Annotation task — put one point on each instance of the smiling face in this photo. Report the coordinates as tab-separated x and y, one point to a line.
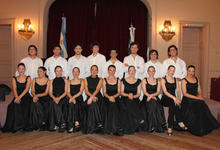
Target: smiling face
131	71
21	69
76	72
113	54
78	50
171	71
41	73
134	49
191	72
94	71
173	52
111	71
58	72
151	71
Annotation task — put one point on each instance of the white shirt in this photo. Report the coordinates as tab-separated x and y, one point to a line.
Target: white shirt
138	63
52	62
31	66
119	69
98	60
180	67
81	63
157	66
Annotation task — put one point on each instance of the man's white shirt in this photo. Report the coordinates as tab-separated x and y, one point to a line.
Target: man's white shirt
52	62
119	69
157	66
180	67
31	66
98	60
81	63
138	63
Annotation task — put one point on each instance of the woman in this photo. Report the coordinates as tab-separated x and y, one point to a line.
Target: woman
170	87
154	121
19	109
130	110
92	118
40	103
74	92
111	91
196	114
58	102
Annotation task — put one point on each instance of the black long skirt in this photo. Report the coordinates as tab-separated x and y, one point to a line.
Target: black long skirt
58	113
92	118
112	123
39	113
131	115
153	117
75	113
18	115
197	117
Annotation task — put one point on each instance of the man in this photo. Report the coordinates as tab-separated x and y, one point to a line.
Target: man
135	60
180	65
96	58
55	60
79	61
32	62
114	61
154	62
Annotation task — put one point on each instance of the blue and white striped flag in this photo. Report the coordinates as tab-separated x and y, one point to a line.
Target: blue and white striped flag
63	39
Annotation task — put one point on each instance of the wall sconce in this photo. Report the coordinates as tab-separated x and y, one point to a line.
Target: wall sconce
167	31
25	29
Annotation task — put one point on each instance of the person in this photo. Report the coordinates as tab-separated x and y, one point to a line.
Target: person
18	109
135	60
131	116
196	114
56	60
111	91
75	89
179	64
40	102
96	58
114	61
92	122
171	99
151	107
155	63
78	60
58	102
31	62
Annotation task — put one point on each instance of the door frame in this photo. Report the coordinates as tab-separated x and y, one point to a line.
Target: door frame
204	69
11	22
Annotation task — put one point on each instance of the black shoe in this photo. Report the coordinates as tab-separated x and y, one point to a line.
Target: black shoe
77	128
62	128
43	127
70	130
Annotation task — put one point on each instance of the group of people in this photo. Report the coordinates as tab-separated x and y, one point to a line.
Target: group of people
95	96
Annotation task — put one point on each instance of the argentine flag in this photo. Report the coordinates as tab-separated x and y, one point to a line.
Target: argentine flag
63	39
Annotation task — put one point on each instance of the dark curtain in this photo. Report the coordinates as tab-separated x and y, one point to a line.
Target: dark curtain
109	25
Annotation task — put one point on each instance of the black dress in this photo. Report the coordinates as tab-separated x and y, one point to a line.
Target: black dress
92	118
196	114
112	114
58	112
131	116
39	110
75	111
152	110
174	111
18	114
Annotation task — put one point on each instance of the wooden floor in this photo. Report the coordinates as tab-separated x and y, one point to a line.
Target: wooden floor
142	141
